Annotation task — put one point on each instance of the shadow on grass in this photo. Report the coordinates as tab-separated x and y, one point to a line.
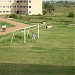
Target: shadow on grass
33	69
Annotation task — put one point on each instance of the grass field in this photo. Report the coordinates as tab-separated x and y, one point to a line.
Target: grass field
52	54
7	24
64	9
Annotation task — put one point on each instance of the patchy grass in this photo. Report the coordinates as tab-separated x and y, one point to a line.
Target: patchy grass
52	54
8	25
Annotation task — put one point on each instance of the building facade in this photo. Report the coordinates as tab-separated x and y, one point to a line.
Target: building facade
29	7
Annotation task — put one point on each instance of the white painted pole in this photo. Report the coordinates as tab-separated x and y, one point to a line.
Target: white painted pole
24	35
28	32
13	36
38	31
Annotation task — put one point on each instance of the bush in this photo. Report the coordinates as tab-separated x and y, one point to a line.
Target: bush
6	16
44	12
19	17
39	14
13	16
71	14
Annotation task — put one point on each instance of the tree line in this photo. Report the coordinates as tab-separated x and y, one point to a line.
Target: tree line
49	7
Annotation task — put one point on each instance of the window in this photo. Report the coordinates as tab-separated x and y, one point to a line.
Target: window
20	6
7	11
0	11
14	6
7	6
26	6
23	6
20	1
29	6
3	11
29	12
29	1
24	1
17	6
13	11
17	1
3	6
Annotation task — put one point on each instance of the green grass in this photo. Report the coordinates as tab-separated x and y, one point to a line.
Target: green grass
8	25
52	54
57	17
64	9
35	69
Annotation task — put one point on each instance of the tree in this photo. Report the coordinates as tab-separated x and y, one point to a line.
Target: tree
66	4
44	12
46	5
49	7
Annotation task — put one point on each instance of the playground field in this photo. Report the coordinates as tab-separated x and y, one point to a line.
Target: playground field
52	54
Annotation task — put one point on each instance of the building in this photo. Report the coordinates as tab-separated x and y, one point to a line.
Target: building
29	7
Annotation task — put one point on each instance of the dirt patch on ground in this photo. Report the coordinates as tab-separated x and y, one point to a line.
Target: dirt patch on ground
10	30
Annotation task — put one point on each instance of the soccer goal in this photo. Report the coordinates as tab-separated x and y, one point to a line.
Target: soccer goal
26	31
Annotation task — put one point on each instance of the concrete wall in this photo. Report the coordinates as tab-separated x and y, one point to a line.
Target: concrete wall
25	7
36	7
7	6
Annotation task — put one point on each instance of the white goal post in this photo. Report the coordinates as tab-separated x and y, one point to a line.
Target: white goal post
25	32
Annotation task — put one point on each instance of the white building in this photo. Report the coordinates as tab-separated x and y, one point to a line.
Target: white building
30	7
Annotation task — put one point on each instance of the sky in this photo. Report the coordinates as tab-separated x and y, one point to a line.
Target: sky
59	0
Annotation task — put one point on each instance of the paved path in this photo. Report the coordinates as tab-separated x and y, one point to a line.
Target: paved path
16	24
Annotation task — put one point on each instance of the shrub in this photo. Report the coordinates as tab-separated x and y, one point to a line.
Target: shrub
19	17
13	16
71	14
39	14
44	12
6	16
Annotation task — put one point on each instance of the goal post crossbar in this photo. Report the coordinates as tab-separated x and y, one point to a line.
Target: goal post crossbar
25	32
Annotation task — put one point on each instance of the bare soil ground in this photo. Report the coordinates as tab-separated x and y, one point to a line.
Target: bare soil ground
10	30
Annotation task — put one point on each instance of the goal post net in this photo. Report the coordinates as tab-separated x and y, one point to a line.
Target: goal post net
26	31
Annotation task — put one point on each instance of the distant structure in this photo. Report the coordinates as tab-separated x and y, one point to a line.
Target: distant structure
29	7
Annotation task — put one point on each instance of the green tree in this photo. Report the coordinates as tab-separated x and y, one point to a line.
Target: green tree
66	4
49	7
45	5
44	12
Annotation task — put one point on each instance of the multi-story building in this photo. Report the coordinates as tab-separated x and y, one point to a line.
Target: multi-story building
30	7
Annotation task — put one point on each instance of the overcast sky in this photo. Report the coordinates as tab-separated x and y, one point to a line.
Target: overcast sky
59	0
